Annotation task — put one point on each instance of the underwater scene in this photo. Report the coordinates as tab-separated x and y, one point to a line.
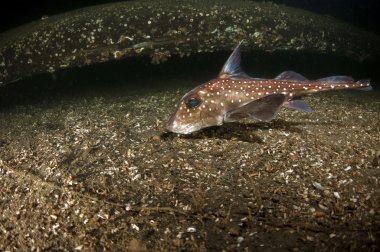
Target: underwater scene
190	125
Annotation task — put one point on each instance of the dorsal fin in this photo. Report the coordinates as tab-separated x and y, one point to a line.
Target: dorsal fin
232	68
291	75
337	79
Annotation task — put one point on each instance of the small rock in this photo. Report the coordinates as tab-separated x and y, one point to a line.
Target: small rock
234	231
337	195
318	186
156	138
191	230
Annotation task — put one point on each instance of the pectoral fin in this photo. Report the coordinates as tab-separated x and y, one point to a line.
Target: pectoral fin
262	109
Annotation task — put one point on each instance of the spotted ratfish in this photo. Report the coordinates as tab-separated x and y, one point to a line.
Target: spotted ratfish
234	95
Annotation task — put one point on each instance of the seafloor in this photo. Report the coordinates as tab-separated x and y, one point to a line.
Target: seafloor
90	167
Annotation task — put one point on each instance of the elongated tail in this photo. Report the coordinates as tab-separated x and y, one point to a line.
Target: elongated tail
364	85
339	83
326	84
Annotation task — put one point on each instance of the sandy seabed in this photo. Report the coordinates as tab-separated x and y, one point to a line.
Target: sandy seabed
99	172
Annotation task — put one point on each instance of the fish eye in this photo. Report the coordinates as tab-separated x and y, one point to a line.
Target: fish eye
193	102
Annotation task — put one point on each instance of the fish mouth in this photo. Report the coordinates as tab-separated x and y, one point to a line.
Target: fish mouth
175	127
182	129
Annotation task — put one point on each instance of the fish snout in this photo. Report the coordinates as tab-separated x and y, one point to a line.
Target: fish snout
175	125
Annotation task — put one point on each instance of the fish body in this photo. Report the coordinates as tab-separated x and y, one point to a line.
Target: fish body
234	95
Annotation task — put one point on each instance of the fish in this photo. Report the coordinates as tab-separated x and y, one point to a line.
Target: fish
234	96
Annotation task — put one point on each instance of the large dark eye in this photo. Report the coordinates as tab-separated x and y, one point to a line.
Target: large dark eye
193	102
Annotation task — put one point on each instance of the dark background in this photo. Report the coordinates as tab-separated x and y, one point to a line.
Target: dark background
363	13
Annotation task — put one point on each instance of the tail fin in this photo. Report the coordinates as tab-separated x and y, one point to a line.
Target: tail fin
365	84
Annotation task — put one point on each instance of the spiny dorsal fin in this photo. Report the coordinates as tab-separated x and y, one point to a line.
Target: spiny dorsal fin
291	75
232	68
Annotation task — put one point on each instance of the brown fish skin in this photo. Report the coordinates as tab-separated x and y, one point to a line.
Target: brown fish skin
229	98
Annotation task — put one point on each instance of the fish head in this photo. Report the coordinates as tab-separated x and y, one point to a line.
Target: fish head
202	107
196	110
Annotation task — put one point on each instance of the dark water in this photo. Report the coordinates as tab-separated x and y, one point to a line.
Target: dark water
362	13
